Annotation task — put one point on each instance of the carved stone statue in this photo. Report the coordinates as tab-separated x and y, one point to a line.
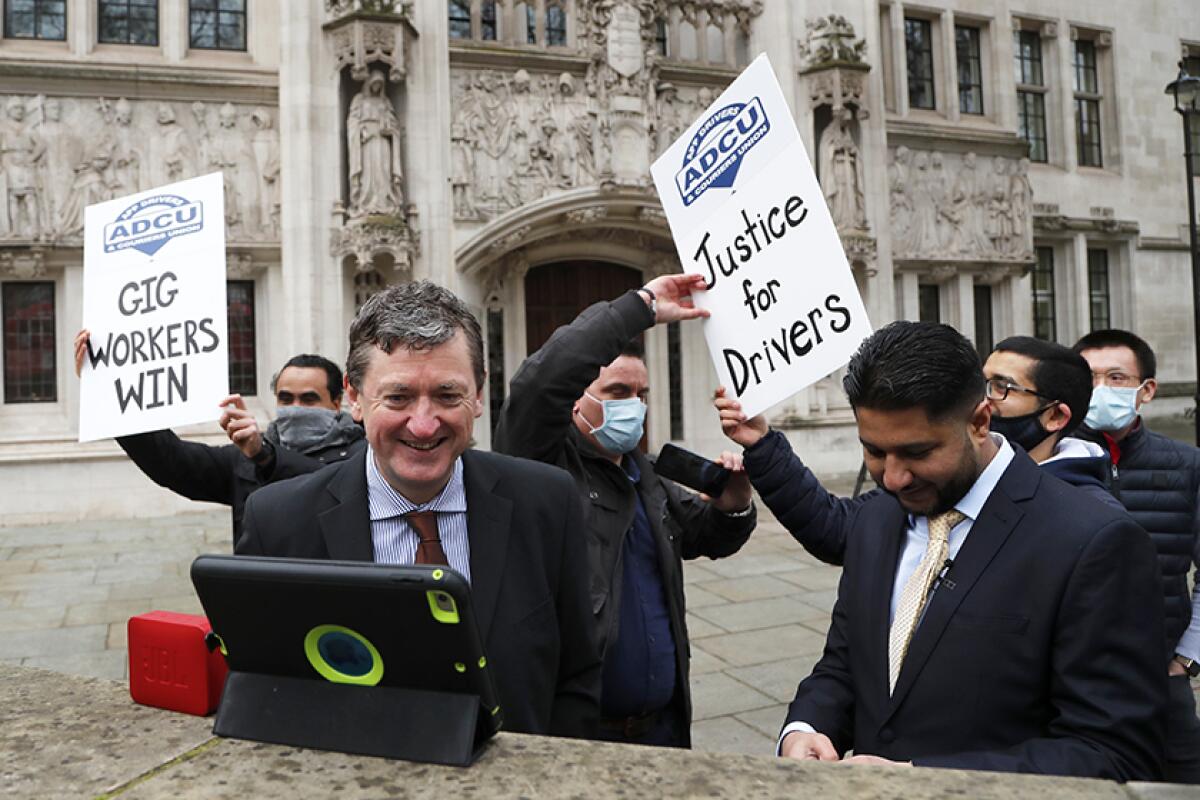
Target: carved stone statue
669	123
126	156
21	153
1000	211
923	236
1022	209
900	198
90	185
57	167
224	150
170	149
373	141
462	173
265	146
842	174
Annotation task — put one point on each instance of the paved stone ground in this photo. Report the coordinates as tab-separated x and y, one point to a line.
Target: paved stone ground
757	620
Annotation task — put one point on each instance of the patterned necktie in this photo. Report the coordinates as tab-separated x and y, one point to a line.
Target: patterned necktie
916	591
429	551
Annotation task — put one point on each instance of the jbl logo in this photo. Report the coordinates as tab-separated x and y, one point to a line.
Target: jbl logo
160	665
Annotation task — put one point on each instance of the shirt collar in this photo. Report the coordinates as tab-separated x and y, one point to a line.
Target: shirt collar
971	503
386	503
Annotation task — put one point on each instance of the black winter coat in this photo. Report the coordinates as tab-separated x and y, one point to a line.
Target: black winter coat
536	423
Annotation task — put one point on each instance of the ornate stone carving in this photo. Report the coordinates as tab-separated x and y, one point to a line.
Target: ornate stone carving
943	272
22	264
861	252
830	40
241	265
373	143
653	215
364	32
841	174
946	206
22	152
365	240
587	216
88	150
512	240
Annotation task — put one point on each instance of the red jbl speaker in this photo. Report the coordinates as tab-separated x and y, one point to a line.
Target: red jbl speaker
171	666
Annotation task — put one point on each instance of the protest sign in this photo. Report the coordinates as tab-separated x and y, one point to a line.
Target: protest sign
154	301
746	212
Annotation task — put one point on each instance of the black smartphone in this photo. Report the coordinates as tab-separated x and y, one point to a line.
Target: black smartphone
693	471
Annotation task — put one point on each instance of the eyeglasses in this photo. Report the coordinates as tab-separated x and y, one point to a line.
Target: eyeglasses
1115	378
998	389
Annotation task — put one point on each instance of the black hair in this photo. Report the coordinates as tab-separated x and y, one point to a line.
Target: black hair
1113	337
1059	373
915	364
333	373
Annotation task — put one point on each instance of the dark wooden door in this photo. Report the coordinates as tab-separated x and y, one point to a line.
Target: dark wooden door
556	293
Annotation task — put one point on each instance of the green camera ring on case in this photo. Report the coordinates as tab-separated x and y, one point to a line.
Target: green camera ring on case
312	649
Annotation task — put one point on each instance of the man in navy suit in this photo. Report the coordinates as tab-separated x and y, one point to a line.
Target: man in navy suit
419	494
989	615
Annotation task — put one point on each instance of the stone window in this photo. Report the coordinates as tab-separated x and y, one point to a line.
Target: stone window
129	22
556	25
366	284
29	347
918	46
929	302
217	24
1099	299
243	364
1087	105
1043	295
460	19
970	69
487	21
35	19
1031	92
714	44
660	38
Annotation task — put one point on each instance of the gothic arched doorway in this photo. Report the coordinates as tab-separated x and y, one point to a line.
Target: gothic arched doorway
555	293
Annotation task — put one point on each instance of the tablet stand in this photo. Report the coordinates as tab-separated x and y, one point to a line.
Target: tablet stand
388	721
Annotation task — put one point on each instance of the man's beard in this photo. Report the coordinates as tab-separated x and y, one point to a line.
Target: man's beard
953	490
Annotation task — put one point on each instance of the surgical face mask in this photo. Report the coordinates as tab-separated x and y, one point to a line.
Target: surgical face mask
301	427
621	429
1026	430
1112	408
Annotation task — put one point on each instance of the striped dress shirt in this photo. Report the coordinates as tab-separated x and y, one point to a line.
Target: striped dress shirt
393	538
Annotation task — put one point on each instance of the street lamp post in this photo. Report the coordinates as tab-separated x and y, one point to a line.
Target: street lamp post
1186	91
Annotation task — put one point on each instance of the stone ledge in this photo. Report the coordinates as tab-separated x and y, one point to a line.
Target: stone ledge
73	736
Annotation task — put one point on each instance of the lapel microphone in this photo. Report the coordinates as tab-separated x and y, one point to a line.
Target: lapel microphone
942	580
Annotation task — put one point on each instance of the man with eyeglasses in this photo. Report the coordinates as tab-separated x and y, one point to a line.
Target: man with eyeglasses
1157	480
1039	393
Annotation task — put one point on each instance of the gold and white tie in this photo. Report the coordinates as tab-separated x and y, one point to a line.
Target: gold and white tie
916	591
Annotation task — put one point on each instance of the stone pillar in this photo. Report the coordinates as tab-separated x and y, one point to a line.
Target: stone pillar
949	68
909	301
899	58
1079	272
962	290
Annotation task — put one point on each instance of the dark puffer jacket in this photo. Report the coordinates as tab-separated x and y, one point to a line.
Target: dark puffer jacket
1157	479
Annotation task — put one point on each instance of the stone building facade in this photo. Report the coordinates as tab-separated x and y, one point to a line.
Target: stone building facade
1003	167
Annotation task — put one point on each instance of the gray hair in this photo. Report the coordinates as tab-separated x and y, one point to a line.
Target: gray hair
417	316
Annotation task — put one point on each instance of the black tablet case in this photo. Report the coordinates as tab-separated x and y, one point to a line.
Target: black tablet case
435	701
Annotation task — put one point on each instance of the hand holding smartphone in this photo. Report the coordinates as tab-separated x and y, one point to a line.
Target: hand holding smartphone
692	470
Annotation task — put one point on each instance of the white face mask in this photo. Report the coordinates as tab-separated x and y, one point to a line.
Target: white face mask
1112	408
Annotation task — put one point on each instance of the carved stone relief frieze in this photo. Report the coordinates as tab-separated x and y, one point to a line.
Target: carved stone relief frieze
60	154
960	206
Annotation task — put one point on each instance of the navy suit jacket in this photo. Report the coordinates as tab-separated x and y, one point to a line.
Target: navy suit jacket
528	573
1042	654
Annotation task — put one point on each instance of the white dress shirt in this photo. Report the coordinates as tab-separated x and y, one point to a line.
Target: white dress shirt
916	539
393	538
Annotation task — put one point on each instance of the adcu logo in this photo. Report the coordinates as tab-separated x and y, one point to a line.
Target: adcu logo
716	151
151	222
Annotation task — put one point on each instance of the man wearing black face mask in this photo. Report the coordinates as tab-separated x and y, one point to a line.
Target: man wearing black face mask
310	431
1039	393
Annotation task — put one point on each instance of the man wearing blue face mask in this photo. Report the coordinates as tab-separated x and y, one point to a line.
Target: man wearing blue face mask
1157	479
309	432
579	403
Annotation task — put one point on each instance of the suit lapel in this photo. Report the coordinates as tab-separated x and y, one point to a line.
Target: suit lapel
882	574
488	528
997	519
346	525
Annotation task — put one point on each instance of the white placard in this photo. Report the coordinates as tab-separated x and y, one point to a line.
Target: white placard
747	213
154	301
